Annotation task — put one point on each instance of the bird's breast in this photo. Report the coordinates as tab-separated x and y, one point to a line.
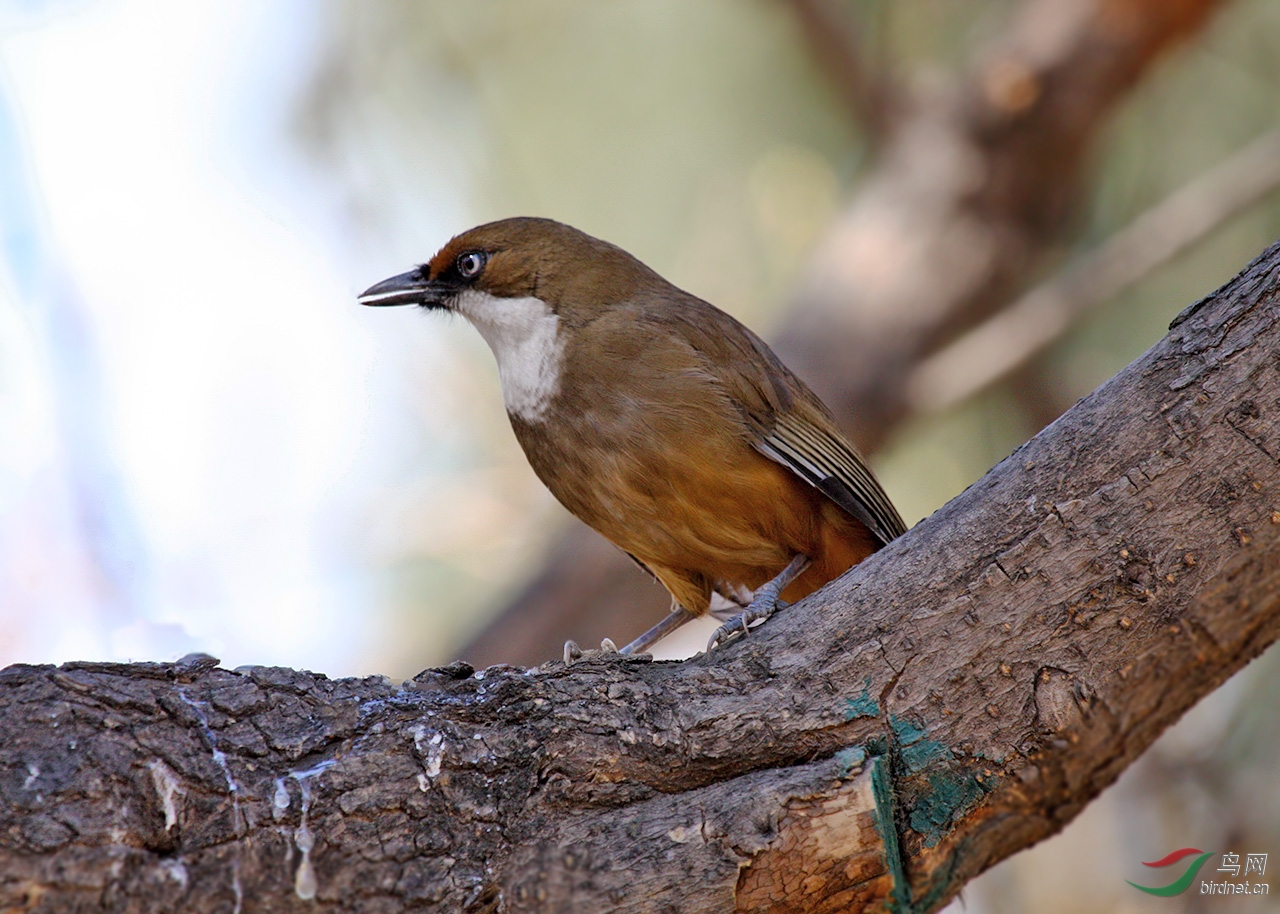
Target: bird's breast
631	451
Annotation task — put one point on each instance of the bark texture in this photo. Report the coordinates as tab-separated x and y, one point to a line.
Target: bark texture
971	193
957	697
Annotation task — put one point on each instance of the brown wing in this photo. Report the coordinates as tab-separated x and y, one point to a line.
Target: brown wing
787	422
823	458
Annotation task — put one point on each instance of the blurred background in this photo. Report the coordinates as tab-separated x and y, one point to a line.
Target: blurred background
953	219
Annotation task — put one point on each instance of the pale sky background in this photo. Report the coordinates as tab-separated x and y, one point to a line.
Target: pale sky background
205	443
238	383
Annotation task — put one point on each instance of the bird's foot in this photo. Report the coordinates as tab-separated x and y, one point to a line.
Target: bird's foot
574	653
766	602
743	622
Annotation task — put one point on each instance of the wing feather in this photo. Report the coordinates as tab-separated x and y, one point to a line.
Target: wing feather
826	461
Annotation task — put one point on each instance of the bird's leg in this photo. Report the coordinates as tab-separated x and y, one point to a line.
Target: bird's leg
764	605
676	618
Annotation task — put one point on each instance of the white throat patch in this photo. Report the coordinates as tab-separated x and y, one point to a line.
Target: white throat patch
524	336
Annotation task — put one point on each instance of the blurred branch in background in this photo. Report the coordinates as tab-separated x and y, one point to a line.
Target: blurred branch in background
865	88
973	192
1007	341
976	190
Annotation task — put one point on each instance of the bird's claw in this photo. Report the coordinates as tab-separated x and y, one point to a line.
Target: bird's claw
572	652
743	622
738	625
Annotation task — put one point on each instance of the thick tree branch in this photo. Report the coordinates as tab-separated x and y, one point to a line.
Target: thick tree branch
971	193
955	698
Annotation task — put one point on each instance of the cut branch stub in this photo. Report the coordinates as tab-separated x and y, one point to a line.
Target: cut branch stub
958	696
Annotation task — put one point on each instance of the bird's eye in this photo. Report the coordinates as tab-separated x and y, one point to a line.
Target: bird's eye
471	263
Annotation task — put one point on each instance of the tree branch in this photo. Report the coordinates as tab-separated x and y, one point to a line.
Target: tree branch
958	696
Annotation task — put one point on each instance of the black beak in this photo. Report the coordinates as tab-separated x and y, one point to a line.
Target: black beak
410	288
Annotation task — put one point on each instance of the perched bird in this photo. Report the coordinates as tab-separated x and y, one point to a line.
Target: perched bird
659	420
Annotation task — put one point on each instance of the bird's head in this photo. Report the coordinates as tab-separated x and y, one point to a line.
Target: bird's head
551	267
531	287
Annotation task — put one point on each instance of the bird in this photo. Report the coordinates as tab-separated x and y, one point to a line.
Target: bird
659	420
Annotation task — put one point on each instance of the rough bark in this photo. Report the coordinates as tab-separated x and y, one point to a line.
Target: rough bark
972	192
957	697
